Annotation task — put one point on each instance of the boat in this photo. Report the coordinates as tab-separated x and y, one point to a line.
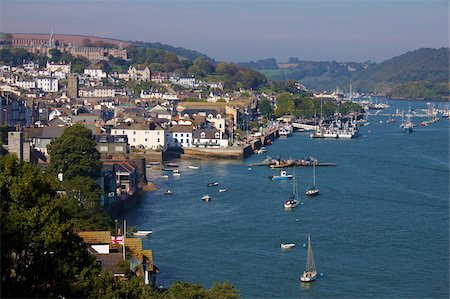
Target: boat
172	165
292	202
142	233
313	191
407	126
153	164
282	164
212	184
310	272
176	172
206	197
283	176
287	245
193	167
262	150
168	192
223	190
165	176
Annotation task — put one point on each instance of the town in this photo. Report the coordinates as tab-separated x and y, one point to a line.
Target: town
139	116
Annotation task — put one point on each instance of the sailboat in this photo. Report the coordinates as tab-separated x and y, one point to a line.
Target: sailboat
292	202
310	272
313	191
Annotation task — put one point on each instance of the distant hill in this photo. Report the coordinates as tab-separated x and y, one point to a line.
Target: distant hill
182	52
422	73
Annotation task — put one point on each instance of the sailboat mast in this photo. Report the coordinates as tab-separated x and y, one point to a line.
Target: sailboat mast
314	174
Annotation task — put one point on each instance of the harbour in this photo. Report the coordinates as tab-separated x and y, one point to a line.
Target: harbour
379	225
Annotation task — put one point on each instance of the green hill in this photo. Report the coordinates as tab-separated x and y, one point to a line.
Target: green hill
422	73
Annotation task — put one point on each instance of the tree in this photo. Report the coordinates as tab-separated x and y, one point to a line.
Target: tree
223	290
285	104
40	254
55	54
74	154
265	107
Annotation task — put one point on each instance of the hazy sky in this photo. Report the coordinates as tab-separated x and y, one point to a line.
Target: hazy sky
231	30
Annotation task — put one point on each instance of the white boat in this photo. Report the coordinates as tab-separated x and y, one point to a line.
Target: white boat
310	272
287	245
223	190
262	150
206	197
193	167
283	176
142	233
313	191
176	172
165	176
168	192
213	184
292	202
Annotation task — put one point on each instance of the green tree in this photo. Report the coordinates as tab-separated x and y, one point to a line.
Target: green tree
55	54
265	107
285	104
181	290
223	290
74	154
40	254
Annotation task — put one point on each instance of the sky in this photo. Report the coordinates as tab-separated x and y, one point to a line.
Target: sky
244	30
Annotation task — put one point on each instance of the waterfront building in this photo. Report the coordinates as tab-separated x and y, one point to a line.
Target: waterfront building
209	138
145	136
112	144
180	136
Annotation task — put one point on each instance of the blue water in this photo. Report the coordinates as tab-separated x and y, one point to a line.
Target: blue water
379	228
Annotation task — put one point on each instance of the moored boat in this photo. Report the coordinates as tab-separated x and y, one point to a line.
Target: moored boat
283	176
206	197
223	190
176	172
142	233
193	167
287	245
168	192
172	165
212	184
310	272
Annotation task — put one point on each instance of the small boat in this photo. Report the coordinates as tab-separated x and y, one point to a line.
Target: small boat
165	176
283	176
153	164
168	192
282	164
313	191
212	184
287	245
223	190
291	203
193	167
262	150
206	197
167	169
310	272
142	233
172	165
176	172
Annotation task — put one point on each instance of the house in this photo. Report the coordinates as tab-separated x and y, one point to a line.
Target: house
108	185
209	138
30	65
159	77
126	178
160	112
59	66
180	136
108	252
48	84
95	72
145	136
111	145
41	137
139	73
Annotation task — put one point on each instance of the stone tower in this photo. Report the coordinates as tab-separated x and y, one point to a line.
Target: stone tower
72	87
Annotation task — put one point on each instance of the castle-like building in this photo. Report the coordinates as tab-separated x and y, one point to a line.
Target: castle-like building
42	46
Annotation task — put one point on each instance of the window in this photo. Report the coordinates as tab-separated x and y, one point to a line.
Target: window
145	139
103	149
123	132
181	141
134	132
134	139
217	135
181	134
203	135
157	133
119	149
176	135
220	126
158	140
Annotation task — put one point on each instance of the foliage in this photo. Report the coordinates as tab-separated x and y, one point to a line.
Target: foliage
265	107
15	57
74	154
285	104
40	255
181	290
268	63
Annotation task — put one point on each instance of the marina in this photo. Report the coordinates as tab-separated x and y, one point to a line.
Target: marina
372	210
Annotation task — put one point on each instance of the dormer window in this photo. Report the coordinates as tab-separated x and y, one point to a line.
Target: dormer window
218	116
217	135
210	116
203	135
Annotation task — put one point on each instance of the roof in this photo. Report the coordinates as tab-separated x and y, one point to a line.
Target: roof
209	133
110	262
181	129
121	166
96	237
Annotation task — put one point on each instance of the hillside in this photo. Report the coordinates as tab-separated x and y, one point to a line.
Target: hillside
421	73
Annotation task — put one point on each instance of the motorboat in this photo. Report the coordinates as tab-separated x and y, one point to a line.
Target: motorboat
283	176
213	184
193	167
172	165
223	190
287	245
176	172
142	233
206	197
168	192
165	176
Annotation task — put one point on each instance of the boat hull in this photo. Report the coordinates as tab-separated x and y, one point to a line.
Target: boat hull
310	278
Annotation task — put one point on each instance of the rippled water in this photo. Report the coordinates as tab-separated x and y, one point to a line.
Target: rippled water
379	228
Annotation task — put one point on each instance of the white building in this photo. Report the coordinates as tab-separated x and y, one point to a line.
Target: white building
145	136
209	138
101	92
95	73
179	136
59	66
25	84
139	73
47	84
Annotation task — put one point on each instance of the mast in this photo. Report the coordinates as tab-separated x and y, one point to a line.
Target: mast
314	174
310	264
294	193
